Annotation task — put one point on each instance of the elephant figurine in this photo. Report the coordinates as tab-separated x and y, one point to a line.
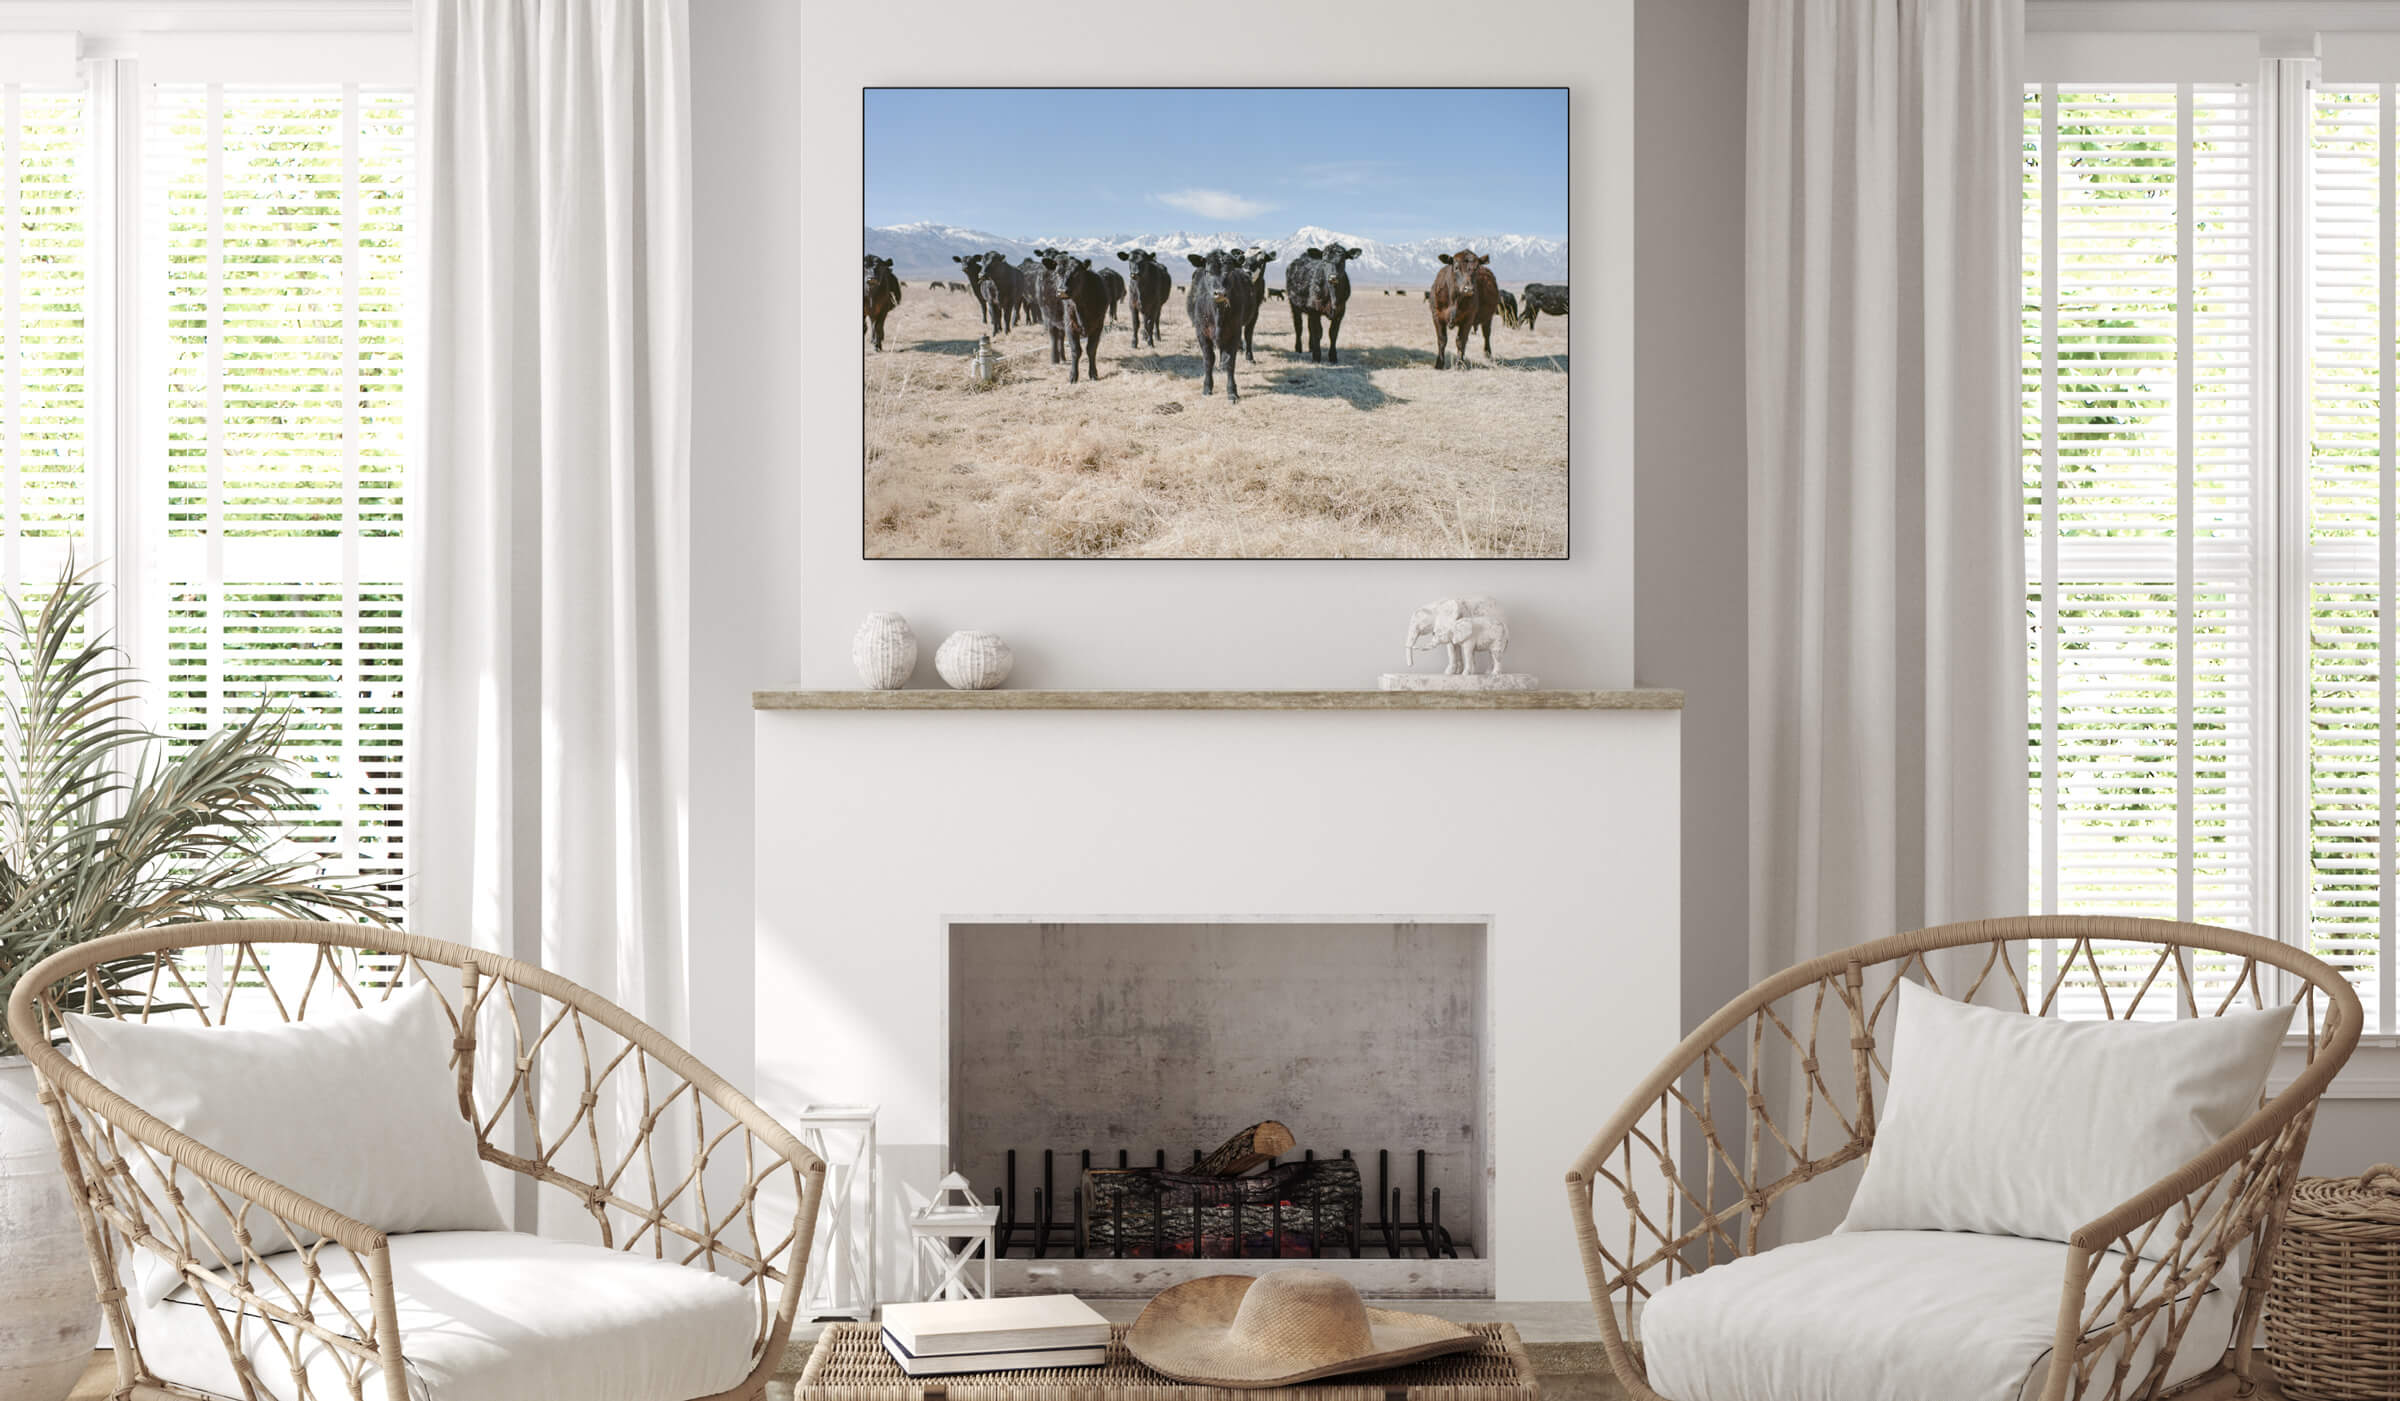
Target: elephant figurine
1463	625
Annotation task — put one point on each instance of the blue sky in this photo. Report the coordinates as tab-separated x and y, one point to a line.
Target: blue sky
1386	163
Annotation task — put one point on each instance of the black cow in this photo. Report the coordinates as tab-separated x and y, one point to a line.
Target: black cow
1254	268
1508	307
1114	281
1319	289
1001	292
1275	294
994	284
1218	304
1040	295
972	265
882	292
1464	296
1083	310
1029	276
1542	297
1149	286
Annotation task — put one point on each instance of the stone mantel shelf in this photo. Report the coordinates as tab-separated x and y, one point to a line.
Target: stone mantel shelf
1642	699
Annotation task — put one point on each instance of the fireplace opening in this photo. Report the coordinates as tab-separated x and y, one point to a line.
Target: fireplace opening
1095	1066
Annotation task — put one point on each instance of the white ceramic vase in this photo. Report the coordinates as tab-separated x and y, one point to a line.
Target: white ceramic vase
884	651
974	661
48	1316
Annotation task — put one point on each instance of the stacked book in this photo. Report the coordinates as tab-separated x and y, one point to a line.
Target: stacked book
994	1335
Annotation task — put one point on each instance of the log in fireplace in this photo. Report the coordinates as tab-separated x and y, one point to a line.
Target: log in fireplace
1304	1207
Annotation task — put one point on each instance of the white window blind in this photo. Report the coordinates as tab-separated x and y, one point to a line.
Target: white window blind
46	389
2347	549
2139	387
274	251
2211	515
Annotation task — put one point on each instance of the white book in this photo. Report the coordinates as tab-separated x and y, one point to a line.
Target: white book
1015	1360
947	1327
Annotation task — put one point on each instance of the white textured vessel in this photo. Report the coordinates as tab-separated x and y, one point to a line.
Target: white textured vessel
884	651
974	661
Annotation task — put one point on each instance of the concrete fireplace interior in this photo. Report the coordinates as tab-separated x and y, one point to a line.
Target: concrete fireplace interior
1150	1042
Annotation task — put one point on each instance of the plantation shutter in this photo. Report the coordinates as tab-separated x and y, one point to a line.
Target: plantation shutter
2138	391
274	253
2347	567
46	382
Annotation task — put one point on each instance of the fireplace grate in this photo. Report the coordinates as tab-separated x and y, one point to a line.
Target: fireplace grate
1256	1216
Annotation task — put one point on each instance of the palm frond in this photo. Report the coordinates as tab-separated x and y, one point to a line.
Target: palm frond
104	829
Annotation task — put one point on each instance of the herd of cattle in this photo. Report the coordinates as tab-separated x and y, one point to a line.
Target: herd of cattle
1073	301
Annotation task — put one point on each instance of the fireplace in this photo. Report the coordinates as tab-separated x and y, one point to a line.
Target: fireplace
1080	1051
899	830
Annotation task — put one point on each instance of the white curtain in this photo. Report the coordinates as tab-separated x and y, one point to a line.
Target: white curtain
1887	577
550	618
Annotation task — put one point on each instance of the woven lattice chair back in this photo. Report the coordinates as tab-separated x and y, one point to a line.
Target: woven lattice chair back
1779	1089
615	1125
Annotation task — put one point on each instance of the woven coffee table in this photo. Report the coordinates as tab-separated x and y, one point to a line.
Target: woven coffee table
850	1364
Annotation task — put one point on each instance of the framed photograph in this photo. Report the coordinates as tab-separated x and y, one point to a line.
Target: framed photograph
1215	323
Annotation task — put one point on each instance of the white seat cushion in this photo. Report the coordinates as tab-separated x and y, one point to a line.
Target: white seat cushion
495	1316
1882	1316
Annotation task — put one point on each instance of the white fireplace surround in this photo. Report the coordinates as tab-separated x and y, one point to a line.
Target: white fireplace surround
1556	829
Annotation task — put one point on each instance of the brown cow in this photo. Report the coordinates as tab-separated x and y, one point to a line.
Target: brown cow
1465	296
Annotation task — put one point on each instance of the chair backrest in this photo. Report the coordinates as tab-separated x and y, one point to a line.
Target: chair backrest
2120	969
561	1086
1779	1088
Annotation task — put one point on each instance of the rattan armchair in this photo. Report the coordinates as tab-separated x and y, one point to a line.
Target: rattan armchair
703	1179
1744	1112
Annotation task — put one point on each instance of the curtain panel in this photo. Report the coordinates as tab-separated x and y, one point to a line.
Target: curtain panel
551	727
1887	589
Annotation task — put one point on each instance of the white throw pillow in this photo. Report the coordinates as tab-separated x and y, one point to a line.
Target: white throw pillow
2012	1125
357	1110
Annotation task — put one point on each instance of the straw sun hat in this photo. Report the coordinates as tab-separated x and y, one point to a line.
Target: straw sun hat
1280	1327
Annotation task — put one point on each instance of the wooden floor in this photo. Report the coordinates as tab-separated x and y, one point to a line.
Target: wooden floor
1536	1323
1563	1339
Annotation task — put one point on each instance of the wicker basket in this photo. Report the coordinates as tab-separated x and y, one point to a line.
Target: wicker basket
2333	1310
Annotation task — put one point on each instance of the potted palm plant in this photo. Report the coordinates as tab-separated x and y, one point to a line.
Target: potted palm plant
103	829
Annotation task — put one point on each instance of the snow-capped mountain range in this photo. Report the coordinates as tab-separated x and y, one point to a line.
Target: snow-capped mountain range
924	250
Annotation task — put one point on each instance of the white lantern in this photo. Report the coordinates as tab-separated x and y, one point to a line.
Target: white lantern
841	1267
941	1222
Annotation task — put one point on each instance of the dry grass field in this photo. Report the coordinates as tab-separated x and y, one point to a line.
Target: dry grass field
1379	456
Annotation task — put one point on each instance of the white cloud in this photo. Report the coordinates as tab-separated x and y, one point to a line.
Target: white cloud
1345	175
1214	204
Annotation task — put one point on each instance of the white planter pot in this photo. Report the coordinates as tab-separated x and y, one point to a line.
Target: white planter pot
48	1316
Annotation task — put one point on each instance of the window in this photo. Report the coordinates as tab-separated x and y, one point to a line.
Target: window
45	320
2208	467
205	378
274	250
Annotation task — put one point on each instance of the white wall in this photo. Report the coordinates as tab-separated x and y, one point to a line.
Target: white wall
1692	487
746	425
1196	623
778	584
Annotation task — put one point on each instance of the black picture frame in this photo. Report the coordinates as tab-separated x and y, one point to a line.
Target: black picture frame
1567	533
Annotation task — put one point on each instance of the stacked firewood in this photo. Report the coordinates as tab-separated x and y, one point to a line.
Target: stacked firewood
1221	1206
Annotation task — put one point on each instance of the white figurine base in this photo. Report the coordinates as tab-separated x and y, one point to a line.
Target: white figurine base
1483	681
